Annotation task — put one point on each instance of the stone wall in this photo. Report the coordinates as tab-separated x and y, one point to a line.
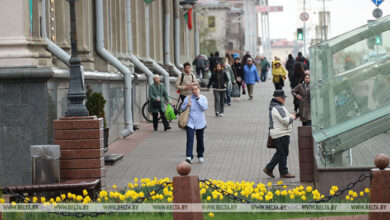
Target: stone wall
29	106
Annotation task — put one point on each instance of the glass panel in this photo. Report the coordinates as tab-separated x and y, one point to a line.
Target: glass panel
349	94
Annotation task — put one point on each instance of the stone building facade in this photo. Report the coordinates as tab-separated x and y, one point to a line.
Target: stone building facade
34	81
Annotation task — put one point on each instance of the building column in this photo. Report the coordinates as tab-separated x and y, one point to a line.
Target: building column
20	42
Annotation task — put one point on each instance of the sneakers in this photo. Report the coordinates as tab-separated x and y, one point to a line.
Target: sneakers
201	159
269	173
217	114
189	160
166	128
220	115
287	176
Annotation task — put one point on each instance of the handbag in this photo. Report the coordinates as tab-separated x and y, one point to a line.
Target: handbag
270	142
235	91
183	118
243	89
156	104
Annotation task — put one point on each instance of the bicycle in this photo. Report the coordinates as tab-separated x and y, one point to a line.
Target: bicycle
175	102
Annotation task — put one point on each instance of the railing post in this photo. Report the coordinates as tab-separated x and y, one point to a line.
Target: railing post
306	155
380	188
186	190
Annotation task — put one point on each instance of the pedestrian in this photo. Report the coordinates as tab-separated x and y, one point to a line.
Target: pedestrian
219	81
238	74
184	82
245	58
279	75
229	59
302	93
290	66
257	62
303	61
296	77
231	81
217	59
280	126
264	68
157	95
200	66
212	63
250	76
196	123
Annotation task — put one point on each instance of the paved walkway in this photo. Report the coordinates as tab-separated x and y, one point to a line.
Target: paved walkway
235	145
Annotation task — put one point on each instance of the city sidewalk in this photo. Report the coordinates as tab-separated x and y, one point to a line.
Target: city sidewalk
235	145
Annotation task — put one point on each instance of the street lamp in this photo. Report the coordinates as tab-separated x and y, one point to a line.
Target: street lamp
76	93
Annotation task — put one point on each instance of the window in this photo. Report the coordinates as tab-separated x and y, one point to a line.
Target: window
230	46
211	21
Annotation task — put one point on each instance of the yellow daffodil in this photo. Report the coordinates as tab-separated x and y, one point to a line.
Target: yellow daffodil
335	188
309	189
114	186
135	184
279	182
277	192
130	185
85	192
208	198
361	193
99	200
169	199
79	198
135	179
350	192
347	197
367	190
284	187
331	192
51	200
2	200
106	198
303	198
351	198
141	194
13	203
122	198
43	199
354	194
269	184
35	199
292	196
58	199
211	215
63	196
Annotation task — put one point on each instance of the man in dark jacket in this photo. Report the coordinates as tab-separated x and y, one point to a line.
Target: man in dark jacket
200	66
245	58
264	68
290	66
303	60
219	80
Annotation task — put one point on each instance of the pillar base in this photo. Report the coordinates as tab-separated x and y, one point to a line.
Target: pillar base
186	190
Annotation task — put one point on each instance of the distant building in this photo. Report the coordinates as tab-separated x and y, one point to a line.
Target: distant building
221	26
282	47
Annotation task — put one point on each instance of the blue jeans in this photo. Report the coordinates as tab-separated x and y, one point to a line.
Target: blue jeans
190	142
227	98
280	157
263	75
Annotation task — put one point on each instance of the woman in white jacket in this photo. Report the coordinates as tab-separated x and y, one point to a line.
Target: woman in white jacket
280	125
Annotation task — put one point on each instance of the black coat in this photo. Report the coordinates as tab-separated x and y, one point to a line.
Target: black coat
290	68
219	80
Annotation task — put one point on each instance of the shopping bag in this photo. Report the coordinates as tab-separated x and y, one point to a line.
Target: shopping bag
169	113
235	91
243	89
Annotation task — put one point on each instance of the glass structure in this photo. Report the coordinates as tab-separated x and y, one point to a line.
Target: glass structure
350	96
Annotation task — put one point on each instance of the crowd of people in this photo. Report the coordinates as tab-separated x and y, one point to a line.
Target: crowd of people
230	75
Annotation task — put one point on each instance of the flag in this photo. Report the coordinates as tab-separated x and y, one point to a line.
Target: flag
188	18
148	1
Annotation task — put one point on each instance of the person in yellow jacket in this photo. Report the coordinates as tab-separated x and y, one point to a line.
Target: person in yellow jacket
279	74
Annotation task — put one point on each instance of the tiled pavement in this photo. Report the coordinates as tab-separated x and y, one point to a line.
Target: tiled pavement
235	145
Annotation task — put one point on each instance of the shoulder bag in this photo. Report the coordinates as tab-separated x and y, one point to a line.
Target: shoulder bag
183	118
270	142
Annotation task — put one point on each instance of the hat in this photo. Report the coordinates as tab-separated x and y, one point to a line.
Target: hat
249	59
279	93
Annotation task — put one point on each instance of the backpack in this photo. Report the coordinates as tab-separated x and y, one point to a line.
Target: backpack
182	77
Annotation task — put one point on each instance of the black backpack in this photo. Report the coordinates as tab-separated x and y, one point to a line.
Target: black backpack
182	77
